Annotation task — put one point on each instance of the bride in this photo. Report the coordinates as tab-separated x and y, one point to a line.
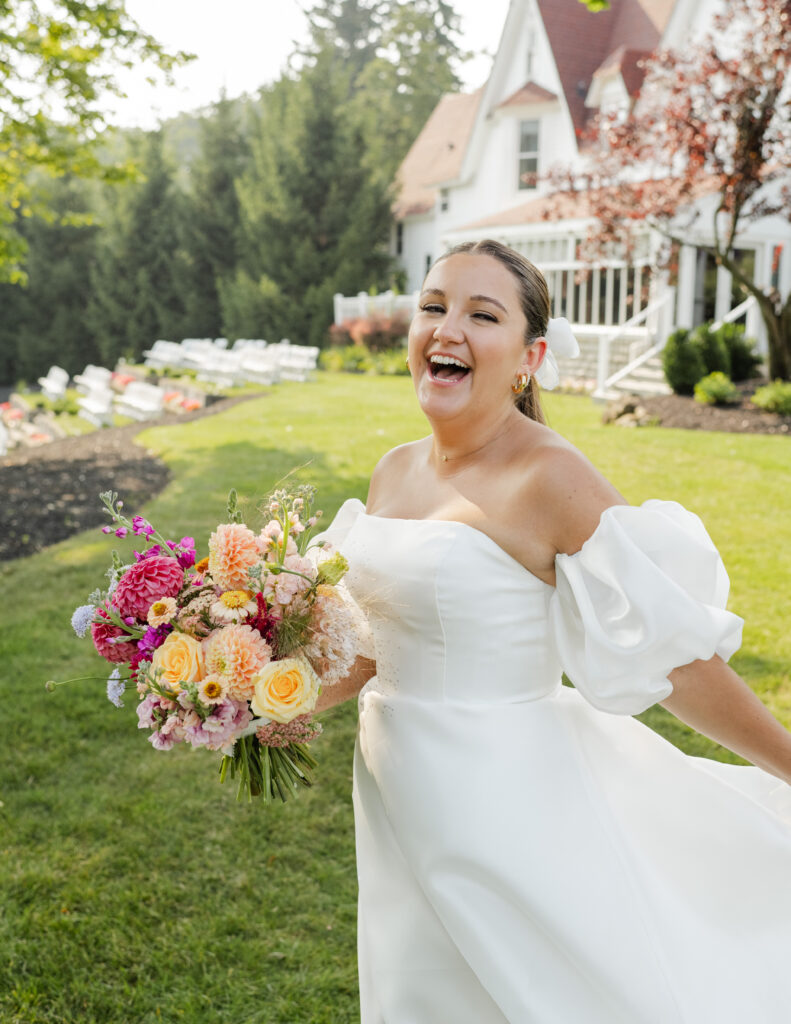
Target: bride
527	851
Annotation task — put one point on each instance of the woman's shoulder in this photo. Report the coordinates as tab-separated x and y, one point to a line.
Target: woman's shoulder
572	492
394	464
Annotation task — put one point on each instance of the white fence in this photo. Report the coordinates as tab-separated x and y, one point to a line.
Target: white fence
363	305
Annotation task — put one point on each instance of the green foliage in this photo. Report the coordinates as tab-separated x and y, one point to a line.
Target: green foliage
744	359
717	389
73	52
359	359
347	359
251	309
682	362
138	287
713	349
774	397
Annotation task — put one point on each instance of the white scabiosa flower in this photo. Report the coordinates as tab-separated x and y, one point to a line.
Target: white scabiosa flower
115	688
81	619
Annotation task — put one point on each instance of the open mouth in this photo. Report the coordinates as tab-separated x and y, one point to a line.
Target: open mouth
447	369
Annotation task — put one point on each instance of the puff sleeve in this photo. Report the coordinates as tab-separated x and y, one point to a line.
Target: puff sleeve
645	594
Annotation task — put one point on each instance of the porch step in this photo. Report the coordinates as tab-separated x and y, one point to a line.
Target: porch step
646	380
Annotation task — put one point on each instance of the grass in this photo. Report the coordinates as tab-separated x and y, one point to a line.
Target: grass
134	888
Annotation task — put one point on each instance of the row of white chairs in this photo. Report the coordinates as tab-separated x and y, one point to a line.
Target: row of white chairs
250	360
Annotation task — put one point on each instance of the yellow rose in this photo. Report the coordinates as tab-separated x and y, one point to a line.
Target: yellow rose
285	689
179	660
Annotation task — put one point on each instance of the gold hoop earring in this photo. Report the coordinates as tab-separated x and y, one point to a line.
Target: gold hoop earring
521	383
407	362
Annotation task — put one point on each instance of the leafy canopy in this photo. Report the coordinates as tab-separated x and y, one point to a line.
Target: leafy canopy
59	60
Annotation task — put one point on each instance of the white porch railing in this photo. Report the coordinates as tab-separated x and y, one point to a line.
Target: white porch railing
735	313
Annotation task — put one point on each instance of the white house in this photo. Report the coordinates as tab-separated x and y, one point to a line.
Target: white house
556	66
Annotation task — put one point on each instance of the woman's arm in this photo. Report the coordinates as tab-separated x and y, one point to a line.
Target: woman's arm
362	670
711	698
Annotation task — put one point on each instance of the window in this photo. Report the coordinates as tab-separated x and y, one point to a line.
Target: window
531	52
444	199
428	262
399	239
528	152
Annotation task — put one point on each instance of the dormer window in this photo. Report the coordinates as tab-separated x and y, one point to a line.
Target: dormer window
528	153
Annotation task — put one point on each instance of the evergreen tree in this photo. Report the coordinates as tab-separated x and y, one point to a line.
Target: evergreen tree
138	274
212	218
316	221
44	322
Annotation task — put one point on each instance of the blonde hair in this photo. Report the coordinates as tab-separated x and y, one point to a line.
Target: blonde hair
533	298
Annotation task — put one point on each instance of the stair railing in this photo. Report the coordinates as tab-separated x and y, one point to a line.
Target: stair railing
663	308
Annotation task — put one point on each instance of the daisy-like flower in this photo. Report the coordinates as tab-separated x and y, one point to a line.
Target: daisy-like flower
233	606
162	611
236	653
212	690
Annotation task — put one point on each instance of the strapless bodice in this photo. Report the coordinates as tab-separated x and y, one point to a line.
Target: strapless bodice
454	617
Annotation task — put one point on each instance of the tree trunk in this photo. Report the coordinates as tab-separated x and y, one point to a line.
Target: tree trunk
776	317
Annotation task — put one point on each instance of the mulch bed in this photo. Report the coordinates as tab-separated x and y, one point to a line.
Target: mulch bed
51	492
684	412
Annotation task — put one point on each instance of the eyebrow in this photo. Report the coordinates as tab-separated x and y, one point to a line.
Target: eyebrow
473	298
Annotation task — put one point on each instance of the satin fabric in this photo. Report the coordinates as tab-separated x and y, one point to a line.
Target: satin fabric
524	855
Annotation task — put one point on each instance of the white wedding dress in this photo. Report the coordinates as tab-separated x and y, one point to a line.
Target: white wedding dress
524	853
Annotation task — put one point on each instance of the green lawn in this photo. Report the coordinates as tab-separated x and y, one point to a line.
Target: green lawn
134	888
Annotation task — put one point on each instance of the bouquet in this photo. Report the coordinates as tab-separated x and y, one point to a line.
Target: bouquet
229	652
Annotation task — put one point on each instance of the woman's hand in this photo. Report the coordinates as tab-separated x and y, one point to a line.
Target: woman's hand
711	698
362	670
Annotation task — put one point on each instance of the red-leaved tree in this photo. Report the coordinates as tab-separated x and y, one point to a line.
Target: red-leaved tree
712	120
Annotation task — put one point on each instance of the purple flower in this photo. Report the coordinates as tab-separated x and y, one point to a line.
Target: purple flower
142	526
107	529
151	553
221	727
186	543
186	558
121	531
82	618
153	637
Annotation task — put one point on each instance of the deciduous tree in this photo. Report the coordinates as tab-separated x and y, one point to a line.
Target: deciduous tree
711	120
58	61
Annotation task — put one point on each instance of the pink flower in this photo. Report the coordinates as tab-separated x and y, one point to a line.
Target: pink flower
233	549
146	581
221	727
236	653
105	635
283	588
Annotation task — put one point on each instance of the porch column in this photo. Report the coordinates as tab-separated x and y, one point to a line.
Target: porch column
685	303
722	303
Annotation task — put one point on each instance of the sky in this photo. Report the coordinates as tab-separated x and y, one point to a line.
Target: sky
244	44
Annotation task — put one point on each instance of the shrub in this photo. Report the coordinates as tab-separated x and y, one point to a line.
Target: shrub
682	362
774	397
713	349
392	363
717	389
744	359
376	333
350	359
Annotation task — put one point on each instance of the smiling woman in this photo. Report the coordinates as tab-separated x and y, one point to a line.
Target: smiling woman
529	851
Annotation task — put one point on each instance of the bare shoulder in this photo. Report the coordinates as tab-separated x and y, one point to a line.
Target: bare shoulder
391	468
572	493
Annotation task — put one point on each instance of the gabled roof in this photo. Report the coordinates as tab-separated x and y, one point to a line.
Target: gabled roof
529	93
627	63
582	40
436	154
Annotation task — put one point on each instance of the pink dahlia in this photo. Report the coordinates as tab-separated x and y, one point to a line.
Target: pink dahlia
148	580
237	653
107	639
233	549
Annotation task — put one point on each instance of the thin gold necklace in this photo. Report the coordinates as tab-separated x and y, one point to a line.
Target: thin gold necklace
455	458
